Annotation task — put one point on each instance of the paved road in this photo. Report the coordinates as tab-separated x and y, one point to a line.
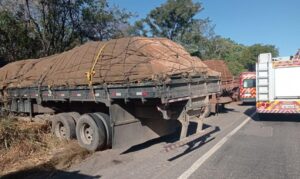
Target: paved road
243	148
261	149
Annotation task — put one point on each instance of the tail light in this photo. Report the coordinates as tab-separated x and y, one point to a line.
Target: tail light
263	105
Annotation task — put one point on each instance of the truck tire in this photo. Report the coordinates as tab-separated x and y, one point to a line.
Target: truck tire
74	115
90	133
105	119
63	127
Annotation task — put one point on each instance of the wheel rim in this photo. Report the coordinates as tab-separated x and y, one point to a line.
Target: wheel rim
86	133
60	130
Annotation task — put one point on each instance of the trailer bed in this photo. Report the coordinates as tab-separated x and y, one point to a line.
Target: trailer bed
177	89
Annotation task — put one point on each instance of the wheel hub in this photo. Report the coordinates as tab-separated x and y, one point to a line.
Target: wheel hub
60	130
86	134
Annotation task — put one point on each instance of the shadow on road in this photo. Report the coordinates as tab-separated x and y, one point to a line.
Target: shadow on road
43	171
250	111
170	139
278	117
247	104
272	117
195	144
223	110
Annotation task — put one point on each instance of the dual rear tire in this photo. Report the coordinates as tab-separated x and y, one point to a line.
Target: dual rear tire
91	133
63	127
91	130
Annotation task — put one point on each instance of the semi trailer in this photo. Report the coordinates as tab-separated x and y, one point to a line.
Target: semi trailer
278	90
113	94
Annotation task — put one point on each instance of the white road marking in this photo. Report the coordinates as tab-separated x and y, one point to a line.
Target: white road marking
208	154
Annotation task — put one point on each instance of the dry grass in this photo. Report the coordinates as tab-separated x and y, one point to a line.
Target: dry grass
26	145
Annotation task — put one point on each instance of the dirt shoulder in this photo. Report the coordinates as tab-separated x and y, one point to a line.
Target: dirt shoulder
29	149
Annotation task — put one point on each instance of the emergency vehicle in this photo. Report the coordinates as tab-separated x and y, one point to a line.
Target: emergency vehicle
278	84
247	87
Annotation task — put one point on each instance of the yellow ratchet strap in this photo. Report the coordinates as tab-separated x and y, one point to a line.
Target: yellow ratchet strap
91	73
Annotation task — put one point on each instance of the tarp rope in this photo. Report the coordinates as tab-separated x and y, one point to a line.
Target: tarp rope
91	73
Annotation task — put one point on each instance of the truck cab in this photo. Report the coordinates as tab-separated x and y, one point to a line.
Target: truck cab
247	87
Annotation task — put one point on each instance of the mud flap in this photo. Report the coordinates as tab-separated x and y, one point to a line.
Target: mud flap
127	130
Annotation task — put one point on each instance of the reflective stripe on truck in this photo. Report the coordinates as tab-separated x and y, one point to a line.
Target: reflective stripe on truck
278	107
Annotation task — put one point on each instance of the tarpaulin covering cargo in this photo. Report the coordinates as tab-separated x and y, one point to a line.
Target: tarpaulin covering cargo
229	84
220	66
125	60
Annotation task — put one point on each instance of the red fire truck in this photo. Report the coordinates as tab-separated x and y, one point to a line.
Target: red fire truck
248	87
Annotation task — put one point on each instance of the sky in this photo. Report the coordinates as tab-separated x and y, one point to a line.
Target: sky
275	22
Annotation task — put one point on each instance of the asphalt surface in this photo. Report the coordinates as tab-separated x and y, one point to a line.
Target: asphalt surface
256	149
261	149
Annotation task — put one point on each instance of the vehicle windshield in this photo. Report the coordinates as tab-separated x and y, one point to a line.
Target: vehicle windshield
249	83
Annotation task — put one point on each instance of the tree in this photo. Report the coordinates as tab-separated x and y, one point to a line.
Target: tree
176	20
172	18
17	39
250	54
100	22
58	25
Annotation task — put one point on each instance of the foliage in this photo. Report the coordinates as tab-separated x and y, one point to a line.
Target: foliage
17	39
42	28
175	20
100	22
251	53
238	57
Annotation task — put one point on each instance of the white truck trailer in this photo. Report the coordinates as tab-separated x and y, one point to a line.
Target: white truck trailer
278	84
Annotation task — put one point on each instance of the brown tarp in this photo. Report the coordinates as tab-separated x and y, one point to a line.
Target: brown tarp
220	66
125	60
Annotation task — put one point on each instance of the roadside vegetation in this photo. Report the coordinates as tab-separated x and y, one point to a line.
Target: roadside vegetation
24	145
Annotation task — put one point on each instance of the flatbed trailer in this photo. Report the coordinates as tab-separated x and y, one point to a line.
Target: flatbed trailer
109	116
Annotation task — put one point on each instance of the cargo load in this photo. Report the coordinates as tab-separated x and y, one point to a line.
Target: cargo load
229	84
220	66
126	60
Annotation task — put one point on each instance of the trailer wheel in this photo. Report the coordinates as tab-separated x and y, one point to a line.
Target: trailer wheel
74	115
90	133
105	119
63	127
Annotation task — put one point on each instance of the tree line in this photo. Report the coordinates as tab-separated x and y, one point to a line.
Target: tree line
38	28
